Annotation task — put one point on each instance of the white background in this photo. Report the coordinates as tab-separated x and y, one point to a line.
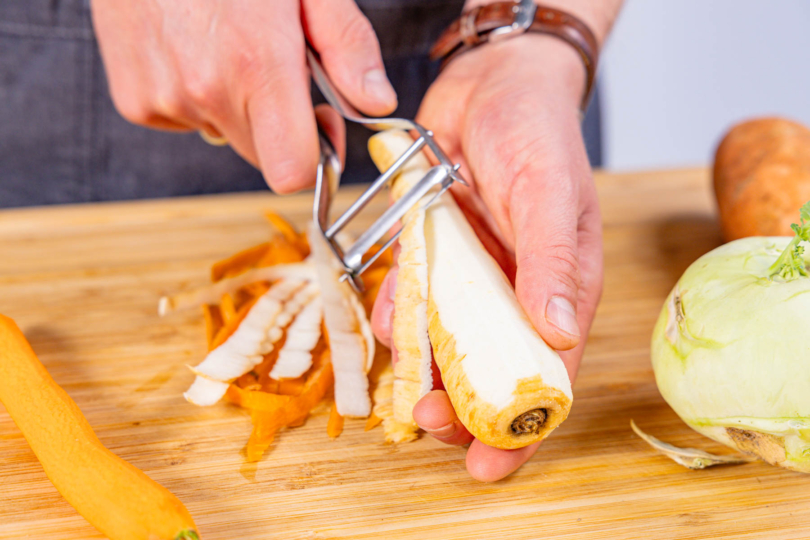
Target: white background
677	73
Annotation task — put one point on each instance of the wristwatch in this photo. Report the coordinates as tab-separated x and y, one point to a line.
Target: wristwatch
494	22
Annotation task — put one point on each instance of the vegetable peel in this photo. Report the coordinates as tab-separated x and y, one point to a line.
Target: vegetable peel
270	343
351	349
691	458
253	338
413	374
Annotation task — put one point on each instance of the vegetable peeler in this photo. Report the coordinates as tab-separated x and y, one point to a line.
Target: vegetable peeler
353	258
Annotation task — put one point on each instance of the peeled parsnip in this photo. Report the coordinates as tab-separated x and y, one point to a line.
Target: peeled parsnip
508	387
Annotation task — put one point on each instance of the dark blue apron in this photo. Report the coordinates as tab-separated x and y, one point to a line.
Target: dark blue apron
61	140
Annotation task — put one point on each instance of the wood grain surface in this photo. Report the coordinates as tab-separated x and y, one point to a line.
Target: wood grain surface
83	283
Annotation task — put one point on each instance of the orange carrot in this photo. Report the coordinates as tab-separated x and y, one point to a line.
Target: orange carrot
238	263
292	387
289	232
213	322
271	412
335	425
227	308
230	327
115	497
372	279
280	252
372	422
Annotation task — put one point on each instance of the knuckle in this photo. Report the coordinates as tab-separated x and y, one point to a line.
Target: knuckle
169	104
558	261
259	68
203	89
133	109
357	32
287	176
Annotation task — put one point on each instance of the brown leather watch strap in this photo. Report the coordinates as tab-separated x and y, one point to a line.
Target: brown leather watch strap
475	26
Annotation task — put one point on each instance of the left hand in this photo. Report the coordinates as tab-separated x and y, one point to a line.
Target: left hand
509	113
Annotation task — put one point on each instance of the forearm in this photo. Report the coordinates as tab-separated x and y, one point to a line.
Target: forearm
599	15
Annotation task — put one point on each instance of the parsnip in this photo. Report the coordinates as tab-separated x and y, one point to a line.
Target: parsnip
413	376
395	432
211	294
295	357
256	336
347	339
508	387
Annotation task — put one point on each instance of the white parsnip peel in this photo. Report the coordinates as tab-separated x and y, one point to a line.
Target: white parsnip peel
350	348
270	297
255	337
508	387
412	372
295	357
210	294
691	458
395	431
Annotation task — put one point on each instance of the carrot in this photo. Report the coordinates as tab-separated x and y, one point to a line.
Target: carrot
372	422
239	262
251	290
213	322
227	308
115	497
230	327
335	425
271	412
280	251
372	279
292	387
289	232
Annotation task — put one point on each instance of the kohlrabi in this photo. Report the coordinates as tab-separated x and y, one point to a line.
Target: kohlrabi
731	349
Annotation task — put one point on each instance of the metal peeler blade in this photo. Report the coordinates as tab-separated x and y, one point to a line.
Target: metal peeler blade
328	180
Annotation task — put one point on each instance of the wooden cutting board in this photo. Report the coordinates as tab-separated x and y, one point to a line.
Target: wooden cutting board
83	283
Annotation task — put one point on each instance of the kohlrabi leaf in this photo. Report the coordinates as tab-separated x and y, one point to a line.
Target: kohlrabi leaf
790	264
691	458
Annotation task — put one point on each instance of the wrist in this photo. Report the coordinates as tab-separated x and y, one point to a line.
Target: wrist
598	16
538	62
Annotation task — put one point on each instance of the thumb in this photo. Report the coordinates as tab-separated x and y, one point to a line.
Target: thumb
544	214
350	53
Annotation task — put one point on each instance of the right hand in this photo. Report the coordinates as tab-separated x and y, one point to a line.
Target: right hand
238	70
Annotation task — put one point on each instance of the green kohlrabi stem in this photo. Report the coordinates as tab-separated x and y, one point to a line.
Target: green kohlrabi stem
790	264
187	534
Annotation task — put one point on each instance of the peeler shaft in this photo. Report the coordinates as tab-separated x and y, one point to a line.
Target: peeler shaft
378	184
353	257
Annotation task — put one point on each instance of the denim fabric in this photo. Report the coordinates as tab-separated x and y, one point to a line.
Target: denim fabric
62	141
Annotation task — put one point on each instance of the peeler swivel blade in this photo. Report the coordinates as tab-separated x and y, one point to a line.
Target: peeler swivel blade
438	179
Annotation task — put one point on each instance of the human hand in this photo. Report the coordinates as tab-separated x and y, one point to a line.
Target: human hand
238	70
509	114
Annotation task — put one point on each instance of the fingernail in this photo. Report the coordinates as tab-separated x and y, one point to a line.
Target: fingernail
442	432
561	314
376	85
392	284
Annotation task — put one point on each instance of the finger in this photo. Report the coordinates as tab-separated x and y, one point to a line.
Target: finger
438	382
547	280
489	464
335	128
435	414
544	213
350	53
591	268
282	121
383	311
